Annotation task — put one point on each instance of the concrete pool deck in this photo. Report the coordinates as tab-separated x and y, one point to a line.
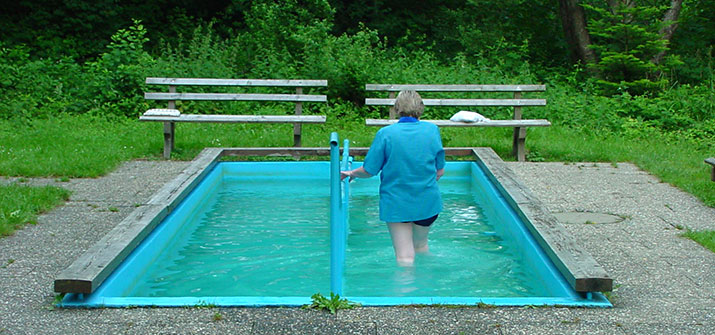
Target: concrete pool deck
664	283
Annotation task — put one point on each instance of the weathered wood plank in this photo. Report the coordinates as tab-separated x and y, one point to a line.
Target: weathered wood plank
169	132
176	190
711	161
237	118
491	123
464	102
297	127
86	273
507	179
237	82
575	264
235	97
455	88
319	151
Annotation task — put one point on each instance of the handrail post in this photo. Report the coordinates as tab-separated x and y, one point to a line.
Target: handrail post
337	235
347	165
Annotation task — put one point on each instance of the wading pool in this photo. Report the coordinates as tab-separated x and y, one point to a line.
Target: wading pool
258	233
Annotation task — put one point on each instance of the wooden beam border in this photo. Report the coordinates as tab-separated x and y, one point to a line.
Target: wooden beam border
88	272
577	266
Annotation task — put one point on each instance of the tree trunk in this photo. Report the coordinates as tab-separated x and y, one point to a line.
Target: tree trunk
670	23
573	19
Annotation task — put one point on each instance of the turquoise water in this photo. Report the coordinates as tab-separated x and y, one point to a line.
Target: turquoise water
266	233
467	257
256	237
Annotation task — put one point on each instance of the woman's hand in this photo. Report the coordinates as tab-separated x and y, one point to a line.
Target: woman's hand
356	173
440	173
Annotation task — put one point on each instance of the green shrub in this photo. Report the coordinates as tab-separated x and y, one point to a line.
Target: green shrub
116	80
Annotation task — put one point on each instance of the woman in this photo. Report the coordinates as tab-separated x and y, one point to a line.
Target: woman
410	155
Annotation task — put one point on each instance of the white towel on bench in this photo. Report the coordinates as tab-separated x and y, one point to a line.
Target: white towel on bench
162	112
468	116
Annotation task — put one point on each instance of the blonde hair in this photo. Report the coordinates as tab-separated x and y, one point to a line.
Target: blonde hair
409	103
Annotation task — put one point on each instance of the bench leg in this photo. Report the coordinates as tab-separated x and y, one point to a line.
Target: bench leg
297	135
712	174
168	138
519	147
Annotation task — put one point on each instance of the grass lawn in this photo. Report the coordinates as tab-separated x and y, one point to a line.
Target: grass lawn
705	237
20	205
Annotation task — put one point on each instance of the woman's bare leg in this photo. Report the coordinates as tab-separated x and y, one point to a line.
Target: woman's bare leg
419	238
401	234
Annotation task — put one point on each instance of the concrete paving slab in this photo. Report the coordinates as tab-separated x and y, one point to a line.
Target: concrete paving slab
659	328
587	218
312	327
574	326
438	328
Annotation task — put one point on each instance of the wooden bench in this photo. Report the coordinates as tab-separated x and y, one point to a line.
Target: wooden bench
711	161
516	102
171	115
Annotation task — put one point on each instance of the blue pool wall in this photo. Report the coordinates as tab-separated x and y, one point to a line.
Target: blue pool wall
110	293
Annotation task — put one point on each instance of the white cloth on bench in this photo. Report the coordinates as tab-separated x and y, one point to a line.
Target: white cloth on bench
162	112
468	116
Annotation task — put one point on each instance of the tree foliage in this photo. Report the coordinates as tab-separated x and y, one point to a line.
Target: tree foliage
351	43
626	38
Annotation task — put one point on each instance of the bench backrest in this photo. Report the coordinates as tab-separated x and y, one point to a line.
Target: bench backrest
517	102
173	96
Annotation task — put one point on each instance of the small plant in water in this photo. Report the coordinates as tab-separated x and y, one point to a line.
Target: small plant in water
332	304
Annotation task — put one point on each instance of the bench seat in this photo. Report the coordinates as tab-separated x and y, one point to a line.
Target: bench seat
213	118
491	123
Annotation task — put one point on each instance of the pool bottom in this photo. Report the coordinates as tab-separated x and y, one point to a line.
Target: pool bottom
78	300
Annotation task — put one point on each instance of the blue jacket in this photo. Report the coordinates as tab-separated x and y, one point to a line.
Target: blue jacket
409	155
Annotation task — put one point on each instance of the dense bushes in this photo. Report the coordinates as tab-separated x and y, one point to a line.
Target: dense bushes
109	86
296	40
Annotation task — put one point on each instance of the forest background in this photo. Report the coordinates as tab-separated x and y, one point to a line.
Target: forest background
626	80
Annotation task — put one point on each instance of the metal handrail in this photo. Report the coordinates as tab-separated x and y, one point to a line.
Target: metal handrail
338	213
345	166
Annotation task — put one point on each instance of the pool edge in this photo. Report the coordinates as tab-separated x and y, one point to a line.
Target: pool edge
579	268
88	272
